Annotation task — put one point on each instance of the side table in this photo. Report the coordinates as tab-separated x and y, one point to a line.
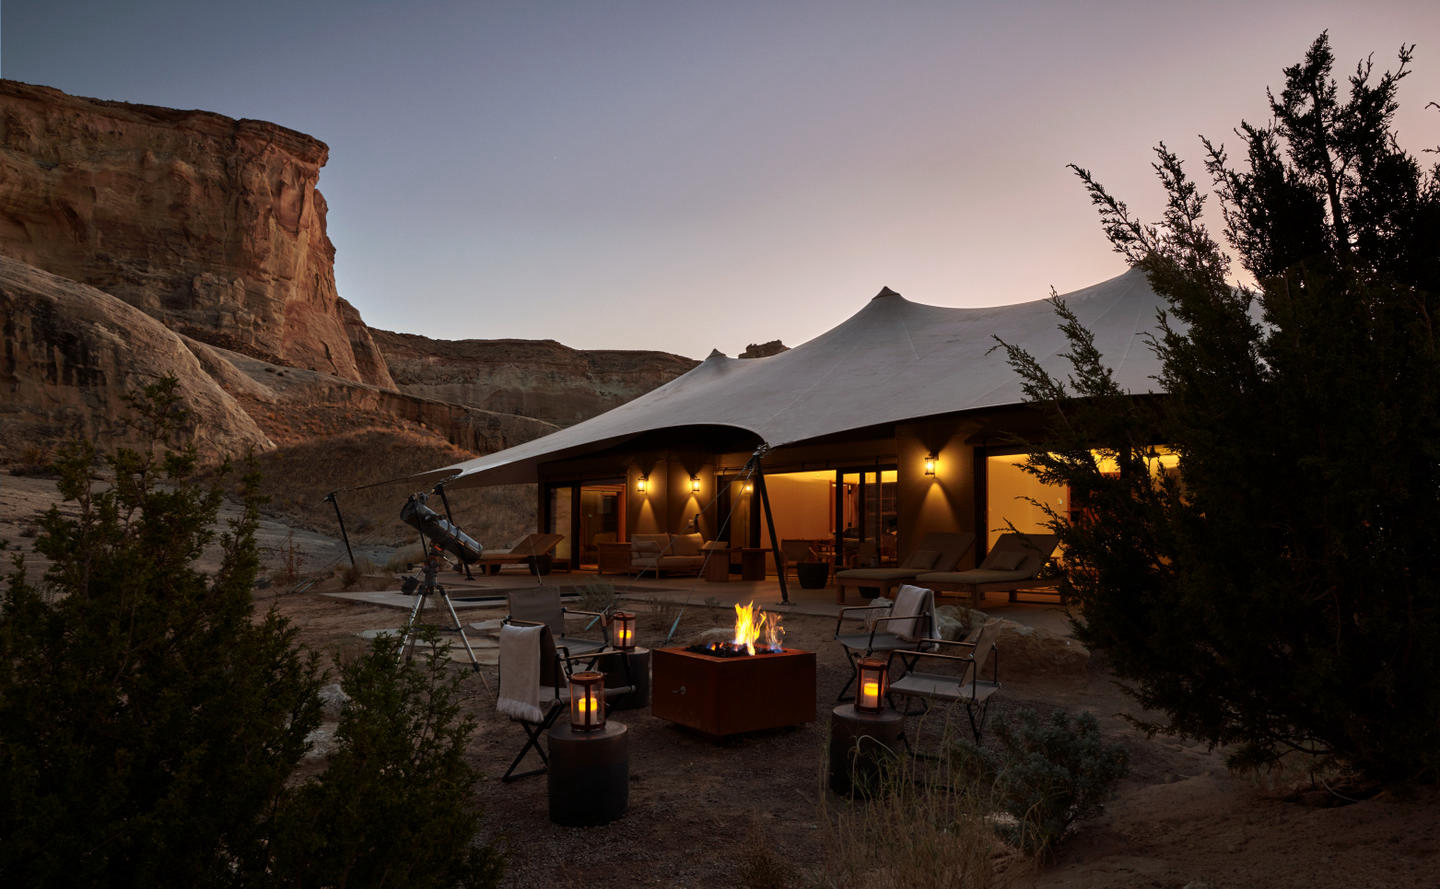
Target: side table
613	558
717	561
752	562
589	776
861	746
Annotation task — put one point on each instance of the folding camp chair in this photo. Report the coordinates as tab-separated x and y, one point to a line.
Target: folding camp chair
542	605
949	672
907	623
535	687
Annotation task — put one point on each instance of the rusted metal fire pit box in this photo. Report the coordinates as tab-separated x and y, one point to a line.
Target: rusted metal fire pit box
730	695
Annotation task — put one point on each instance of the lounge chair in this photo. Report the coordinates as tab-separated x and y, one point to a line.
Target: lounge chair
903	624
527	549
936	552
1013	564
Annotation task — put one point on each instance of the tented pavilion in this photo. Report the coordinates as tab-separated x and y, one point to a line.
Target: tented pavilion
895	423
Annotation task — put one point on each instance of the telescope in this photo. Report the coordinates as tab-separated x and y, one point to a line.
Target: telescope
439	530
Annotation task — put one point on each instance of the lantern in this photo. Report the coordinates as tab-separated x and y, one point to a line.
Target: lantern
587	701
624	623
695	483
640	484
930	460
874	682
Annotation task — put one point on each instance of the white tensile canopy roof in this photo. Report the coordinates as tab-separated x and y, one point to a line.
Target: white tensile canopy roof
892	361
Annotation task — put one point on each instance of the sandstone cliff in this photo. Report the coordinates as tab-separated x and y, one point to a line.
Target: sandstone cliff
70	353
532	378
210	224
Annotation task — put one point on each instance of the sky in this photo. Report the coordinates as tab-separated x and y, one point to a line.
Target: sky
686	176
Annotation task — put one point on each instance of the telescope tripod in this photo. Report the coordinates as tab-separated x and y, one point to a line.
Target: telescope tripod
426	588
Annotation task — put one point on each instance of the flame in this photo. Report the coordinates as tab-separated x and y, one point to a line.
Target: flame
752	625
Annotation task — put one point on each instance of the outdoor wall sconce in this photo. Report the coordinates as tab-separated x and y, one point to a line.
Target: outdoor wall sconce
873	685
695	483
930	461
624	623
640	484
587	701
749	487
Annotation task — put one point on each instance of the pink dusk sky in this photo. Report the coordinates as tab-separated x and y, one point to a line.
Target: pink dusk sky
686	176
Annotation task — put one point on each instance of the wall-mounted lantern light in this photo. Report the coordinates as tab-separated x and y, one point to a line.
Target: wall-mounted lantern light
640	484
930	461
749	487
695	483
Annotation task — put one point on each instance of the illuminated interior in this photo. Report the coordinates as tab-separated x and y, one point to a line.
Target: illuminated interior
1015	497
803	505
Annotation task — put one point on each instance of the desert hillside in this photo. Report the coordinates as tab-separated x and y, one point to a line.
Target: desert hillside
138	242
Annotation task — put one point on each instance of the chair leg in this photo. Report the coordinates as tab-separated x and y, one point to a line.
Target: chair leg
533	731
977	727
854	657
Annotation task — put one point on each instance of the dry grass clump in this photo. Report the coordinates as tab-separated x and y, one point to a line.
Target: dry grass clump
923	823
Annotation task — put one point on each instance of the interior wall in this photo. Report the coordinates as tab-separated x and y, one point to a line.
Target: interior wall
1012	495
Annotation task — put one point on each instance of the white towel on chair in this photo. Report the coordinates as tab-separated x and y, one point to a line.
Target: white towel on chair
520	673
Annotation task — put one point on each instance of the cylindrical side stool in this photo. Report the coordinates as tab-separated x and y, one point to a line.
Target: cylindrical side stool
639	663
860	746
589	775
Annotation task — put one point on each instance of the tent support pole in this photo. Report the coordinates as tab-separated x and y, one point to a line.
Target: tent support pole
770	523
341	519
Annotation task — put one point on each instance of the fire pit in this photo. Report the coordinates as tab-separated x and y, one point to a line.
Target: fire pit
742	685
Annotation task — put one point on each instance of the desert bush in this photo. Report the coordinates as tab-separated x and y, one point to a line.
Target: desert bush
36	460
1048	773
598	595
351	574
396	804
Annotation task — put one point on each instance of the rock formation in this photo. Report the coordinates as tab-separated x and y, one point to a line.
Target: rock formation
531	378
210	224
70	353
764	350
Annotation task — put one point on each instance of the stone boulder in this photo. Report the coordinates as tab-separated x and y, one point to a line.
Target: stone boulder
1028	652
212	225
69	354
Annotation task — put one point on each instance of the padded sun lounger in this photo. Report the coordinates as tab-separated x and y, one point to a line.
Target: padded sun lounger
524	551
1012	565
936	551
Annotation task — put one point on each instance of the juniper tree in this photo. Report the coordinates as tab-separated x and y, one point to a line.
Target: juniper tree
1278	592
150	725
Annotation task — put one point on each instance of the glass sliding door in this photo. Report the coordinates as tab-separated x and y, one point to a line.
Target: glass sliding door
601	519
866	521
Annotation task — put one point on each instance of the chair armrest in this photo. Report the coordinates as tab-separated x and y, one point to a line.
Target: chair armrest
841	618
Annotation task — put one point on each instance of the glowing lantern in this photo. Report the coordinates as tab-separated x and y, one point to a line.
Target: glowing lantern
587	701
624	624
930	461
873	684
695	483
640	484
